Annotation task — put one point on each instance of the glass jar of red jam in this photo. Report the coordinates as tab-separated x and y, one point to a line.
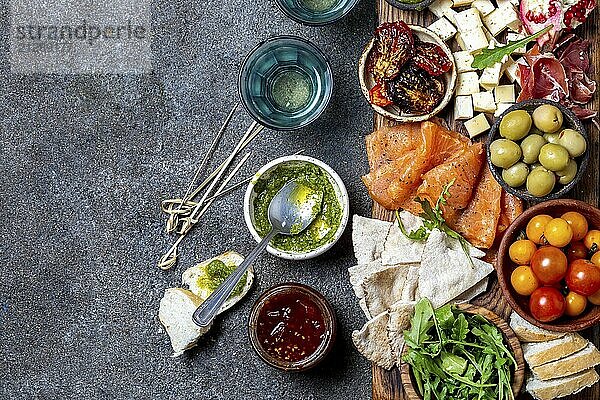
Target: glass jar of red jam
292	327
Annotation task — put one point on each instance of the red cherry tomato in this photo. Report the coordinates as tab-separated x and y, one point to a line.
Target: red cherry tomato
583	277
576	251
549	264
547	304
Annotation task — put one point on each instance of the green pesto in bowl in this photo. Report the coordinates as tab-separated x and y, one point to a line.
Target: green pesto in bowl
327	221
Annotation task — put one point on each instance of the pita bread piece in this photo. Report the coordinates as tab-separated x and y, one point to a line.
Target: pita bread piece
368	237
359	272
476	290
409	292
400	314
372	341
384	288
446	273
399	249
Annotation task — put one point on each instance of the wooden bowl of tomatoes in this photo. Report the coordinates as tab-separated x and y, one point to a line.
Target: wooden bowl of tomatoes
549	265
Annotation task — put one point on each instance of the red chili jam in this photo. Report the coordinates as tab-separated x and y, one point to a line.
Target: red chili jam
290	326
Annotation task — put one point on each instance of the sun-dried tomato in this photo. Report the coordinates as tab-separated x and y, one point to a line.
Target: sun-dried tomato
431	58
378	96
394	46
415	91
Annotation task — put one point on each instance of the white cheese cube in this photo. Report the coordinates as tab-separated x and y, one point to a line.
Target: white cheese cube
485	7
495	22
477	125
510	70
504	94
513	37
468	20
463	107
490	77
474	40
467	83
463	61
460	3
451	15
438	7
443	28
501	107
488	35
484	102
512	19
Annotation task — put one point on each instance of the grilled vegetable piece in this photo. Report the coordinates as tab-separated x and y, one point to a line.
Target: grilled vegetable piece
415	91
431	58
394	45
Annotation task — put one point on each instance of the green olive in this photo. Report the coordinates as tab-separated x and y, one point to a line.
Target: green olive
536	165
547	118
568	174
531	146
515	125
540	181
554	157
551	137
573	141
504	153
516	175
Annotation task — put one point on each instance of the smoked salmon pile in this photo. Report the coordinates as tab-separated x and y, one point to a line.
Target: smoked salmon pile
419	159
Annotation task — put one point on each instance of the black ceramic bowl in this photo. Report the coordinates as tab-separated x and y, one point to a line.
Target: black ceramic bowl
569	121
410	6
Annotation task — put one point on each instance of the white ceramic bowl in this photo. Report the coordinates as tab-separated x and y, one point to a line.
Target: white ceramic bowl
340	191
393	112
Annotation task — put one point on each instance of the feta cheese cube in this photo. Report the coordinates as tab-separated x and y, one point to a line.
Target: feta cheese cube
504	94
474	40
468	20
477	125
513	37
467	83
485	7
451	15
488	35
463	61
460	3
484	102
495	21
438	7
510	70
501	107
490	77
443	28
463	107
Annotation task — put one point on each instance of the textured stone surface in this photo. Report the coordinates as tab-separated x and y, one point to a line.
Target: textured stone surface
84	164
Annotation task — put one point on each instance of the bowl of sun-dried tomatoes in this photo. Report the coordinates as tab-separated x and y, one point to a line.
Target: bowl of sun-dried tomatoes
407	72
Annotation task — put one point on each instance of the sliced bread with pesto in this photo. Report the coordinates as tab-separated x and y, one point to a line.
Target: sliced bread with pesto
202	279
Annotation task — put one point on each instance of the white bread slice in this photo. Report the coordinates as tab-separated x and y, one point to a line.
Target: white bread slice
175	313
190	278
527	332
543	352
555	388
576	362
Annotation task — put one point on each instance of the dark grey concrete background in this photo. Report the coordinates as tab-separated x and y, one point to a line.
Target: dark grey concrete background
85	161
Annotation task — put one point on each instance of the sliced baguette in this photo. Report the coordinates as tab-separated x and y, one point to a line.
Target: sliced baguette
576	362
190	278
543	352
527	332
560	387
175	313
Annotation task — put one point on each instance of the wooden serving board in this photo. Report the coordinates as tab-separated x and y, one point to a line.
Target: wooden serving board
387	385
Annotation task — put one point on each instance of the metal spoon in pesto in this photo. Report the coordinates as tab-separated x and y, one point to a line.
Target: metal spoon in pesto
290	212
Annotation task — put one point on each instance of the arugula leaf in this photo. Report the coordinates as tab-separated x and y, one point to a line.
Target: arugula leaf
445	316
460	328
489	57
453	364
420	323
419	235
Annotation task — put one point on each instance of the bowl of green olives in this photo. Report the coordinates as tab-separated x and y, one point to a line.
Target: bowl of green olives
537	150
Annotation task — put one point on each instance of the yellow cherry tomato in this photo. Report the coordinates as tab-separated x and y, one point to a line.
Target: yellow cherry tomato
595	298
591	238
521	251
578	223
596	258
576	304
535	227
523	280
558	232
